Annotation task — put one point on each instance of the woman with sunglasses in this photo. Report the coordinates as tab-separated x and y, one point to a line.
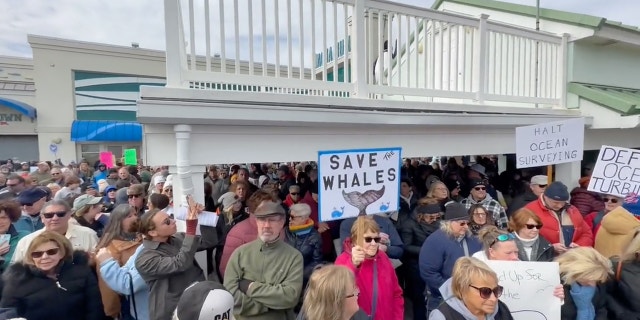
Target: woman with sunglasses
583	271
594	219
424	220
332	294
472	293
380	294
526	225
118	245
53	282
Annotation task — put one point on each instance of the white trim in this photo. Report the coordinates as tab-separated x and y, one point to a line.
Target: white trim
115	80
617	34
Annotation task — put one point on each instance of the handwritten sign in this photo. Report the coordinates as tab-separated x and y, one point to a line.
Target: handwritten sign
617	171
358	182
550	143
107	157
528	288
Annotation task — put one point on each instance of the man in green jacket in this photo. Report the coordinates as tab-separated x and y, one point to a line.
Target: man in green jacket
265	275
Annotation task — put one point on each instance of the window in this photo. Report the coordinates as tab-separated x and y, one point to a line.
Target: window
90	152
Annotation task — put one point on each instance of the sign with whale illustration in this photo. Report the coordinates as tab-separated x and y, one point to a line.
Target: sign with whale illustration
358	182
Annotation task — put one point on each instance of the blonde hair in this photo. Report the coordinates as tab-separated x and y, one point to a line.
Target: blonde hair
326	292
489	237
466	270
64	245
361	226
583	264
433	187
633	248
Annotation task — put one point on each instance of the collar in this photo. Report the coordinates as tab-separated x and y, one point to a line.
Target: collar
155	244
270	245
72	231
12	230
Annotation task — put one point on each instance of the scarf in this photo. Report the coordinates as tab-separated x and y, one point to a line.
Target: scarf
303	228
582	297
526	242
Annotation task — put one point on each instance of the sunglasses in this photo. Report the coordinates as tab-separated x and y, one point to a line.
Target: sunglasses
369	239
480	188
502	238
542	186
531	226
167	221
28	204
612	200
485	292
294	193
131	196
39	254
463	223
50	215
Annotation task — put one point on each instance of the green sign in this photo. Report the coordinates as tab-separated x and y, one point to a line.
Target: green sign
130	157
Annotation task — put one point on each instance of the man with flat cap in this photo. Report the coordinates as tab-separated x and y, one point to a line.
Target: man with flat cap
265	275
31	201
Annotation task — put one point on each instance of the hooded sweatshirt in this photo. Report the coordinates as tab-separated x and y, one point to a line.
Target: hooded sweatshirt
458	305
617	229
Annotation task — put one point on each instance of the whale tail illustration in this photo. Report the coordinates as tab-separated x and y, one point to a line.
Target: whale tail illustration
362	200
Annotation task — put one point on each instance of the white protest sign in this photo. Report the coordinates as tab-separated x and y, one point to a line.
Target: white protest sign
617	172
550	143
353	182
528	288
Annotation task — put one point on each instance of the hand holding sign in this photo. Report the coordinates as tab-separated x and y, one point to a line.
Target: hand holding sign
357	255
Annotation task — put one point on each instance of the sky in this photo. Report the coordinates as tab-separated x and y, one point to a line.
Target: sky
122	22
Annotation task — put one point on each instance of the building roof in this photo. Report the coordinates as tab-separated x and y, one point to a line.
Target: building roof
625	101
582	20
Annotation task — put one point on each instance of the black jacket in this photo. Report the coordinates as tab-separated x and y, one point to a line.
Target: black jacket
520	201
75	296
413	234
623	295
309	245
542	251
568	310
405	210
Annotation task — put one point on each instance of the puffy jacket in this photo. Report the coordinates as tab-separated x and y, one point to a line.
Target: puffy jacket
74	296
586	201
617	229
309	246
390	302
623	294
327	237
551	225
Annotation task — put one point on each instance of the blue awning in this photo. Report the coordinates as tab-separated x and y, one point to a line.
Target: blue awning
106	131
21	107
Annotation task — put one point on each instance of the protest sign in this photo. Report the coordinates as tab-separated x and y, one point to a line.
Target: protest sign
358	182
130	157
617	171
106	157
528	288
550	143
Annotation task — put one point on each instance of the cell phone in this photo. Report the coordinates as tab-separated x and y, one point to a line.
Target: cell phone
5	238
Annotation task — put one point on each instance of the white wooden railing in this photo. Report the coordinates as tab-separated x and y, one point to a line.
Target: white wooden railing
336	48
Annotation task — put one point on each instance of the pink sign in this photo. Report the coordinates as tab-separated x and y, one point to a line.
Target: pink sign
106	157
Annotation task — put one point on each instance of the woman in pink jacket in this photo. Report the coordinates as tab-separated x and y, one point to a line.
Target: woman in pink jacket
364	253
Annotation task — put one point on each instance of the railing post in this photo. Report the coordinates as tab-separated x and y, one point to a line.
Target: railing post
176	55
564	70
481	54
358	50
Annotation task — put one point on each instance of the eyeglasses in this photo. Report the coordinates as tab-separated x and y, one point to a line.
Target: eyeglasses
612	200
354	294
39	254
169	189
50	215
485	292
480	214
480	188
531	226
131	196
55	173
502	238
463	223
369	239
12	185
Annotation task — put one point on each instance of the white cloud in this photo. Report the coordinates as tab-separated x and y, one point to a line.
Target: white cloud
122	22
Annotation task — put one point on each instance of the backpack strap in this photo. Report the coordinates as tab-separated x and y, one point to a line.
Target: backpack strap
618	270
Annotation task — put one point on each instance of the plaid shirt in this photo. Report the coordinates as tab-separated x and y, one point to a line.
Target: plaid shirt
491	205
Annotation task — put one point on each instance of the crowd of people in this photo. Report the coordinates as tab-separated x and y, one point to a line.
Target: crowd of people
85	241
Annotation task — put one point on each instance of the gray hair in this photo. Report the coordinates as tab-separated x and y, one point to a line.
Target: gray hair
58	202
445	226
294	187
300	210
